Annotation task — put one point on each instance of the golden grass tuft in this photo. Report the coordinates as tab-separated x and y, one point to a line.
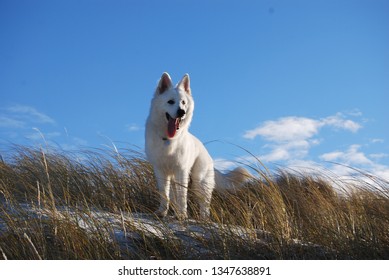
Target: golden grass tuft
86	205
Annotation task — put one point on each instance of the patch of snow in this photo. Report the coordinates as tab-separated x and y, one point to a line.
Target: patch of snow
126	228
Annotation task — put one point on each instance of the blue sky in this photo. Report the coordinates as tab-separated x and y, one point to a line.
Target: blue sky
296	83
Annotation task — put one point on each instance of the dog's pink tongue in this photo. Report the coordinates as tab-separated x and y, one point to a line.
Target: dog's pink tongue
172	127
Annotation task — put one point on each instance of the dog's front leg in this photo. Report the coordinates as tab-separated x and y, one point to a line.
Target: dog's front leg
181	194
163	183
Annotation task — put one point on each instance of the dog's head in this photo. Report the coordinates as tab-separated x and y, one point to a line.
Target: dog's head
173	106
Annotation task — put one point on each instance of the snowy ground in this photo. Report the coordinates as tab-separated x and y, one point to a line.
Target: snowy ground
126	229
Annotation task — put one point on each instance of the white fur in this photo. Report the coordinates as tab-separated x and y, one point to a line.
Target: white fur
182	157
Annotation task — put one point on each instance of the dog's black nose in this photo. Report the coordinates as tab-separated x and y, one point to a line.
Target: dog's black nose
180	113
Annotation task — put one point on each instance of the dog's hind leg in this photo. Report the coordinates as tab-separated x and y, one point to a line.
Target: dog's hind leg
203	183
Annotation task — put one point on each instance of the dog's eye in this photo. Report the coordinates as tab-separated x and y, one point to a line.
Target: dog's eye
171	102
183	102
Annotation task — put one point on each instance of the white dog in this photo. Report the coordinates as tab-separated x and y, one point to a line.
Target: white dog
176	155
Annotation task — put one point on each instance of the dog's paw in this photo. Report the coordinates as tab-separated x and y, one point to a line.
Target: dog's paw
205	215
182	216
161	213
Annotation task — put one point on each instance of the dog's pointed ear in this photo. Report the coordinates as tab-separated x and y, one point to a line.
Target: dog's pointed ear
164	83
185	84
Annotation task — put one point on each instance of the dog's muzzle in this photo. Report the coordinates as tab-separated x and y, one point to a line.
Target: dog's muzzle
180	113
174	123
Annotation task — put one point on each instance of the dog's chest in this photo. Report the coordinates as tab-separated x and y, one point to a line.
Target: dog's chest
171	149
172	152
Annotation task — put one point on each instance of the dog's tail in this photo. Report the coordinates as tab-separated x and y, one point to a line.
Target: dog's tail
232	180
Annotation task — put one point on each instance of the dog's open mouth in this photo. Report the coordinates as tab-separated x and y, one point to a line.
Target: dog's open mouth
172	126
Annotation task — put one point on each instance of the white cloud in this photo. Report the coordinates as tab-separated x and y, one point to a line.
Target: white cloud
222	164
292	137
288	142
17	121
133	127
377	140
38	135
285	129
379	156
277	154
10	122
79	141
352	158
354	113
356	157
288	150
338	121
333	156
299	128
381	171
29	113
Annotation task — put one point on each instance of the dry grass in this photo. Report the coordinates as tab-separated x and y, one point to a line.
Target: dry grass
57	205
